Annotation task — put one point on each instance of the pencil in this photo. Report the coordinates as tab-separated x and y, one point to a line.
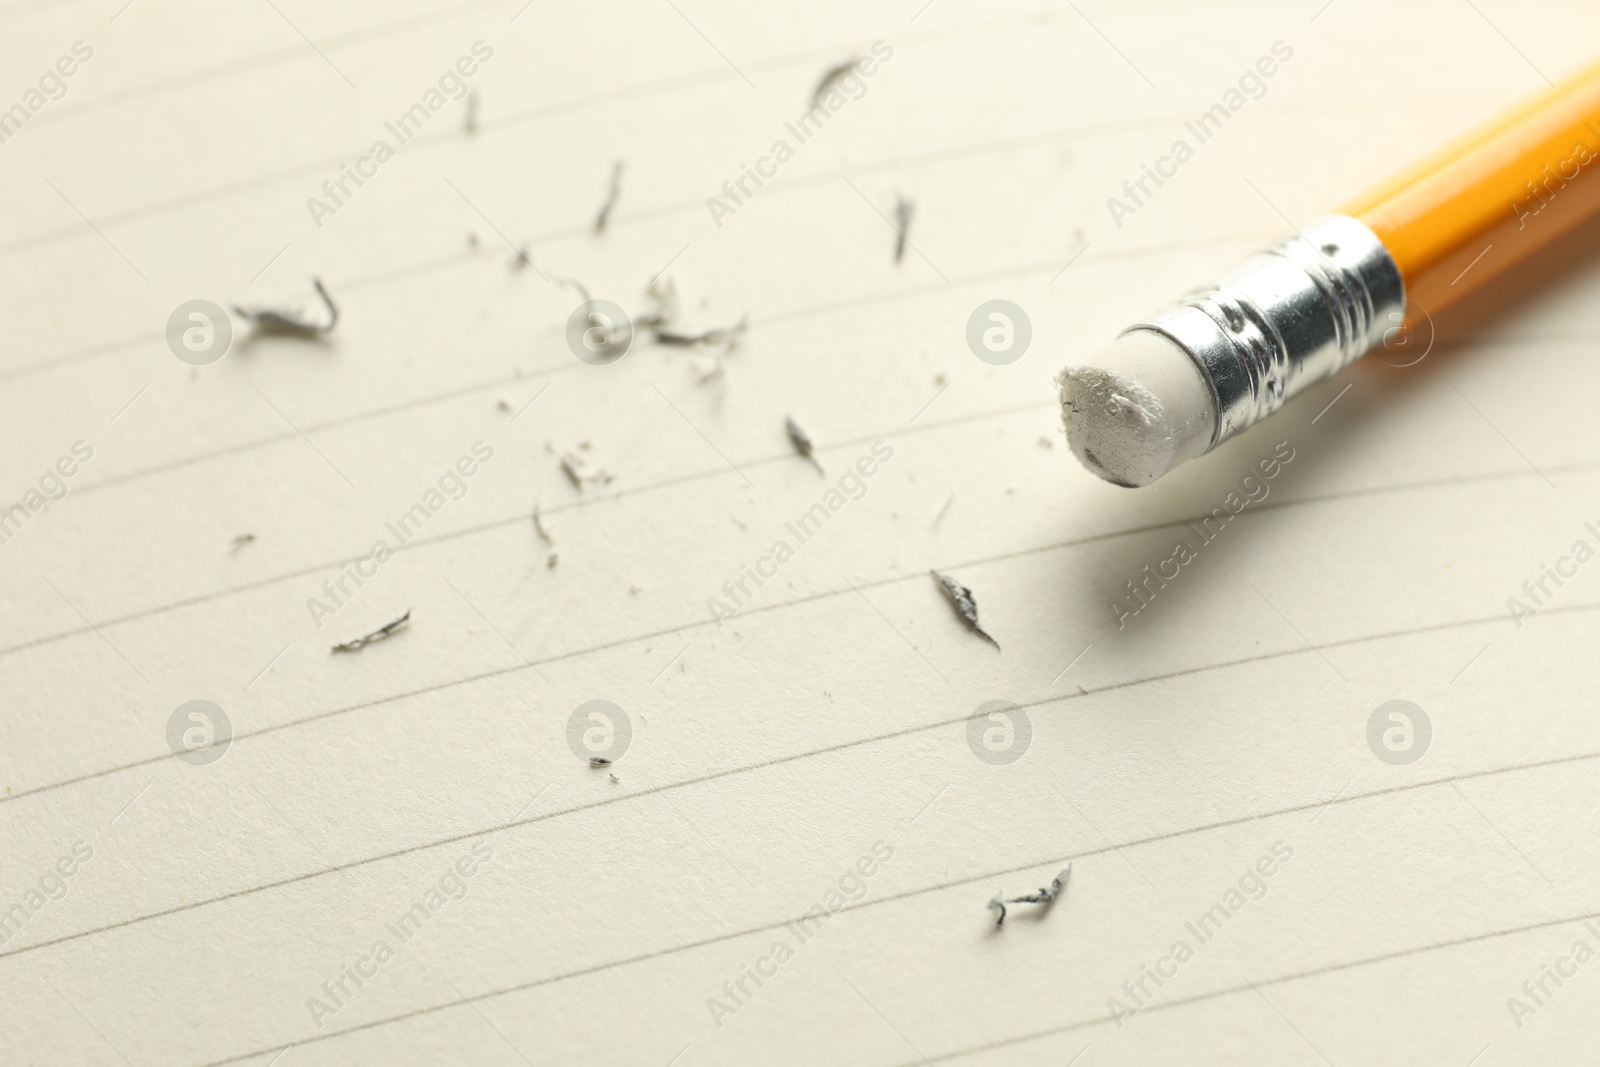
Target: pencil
1187	378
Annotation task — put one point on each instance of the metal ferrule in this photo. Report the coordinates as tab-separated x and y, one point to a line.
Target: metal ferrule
1287	317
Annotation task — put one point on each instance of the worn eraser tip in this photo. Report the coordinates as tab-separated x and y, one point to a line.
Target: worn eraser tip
1138	408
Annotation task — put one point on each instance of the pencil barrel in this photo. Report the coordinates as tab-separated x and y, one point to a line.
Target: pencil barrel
1479	207
1287	317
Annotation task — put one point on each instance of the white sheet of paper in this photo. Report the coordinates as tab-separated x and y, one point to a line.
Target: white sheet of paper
399	858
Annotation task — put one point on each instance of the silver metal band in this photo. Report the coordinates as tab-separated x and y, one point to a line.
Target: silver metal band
1287	317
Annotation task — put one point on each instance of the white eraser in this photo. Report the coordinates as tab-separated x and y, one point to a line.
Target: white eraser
1137	409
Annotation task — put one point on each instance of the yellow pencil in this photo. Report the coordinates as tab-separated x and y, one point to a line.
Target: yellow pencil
1182	381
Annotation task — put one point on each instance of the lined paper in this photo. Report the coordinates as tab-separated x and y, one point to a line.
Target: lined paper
400	856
